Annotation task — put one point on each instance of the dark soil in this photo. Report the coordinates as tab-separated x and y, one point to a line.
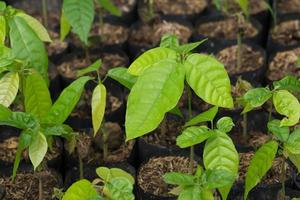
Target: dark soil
226	29
251	59
179	7
254	138
125	5
197	103
284	63
151	33
150	175
287	33
26	185
288	6
56	46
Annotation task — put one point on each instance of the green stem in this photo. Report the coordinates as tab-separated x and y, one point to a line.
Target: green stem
212	124
151	8
275	12
45	13
270	112
190	116
40	187
87	55
245	124
239	51
80	168
191	167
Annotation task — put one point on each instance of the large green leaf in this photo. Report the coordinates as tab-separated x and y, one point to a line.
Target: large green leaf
149	58
290	83
119	189
9	86
66	102
156	92
65	27
37	96
209	79
288	105
206	116
187	48
81	190
98	106
80	15
2	29
218	178
36	26
110	7
108	175
282	133
193	135
37	149
121	75
260	165
220	153
27	46
179	179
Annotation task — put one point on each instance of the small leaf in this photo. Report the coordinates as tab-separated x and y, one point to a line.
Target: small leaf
176	111
290	83
225	124
187	48
176	178
293	142
218	178
282	133
110	7
206	116
288	105
119	189
149	58
209	80
65	27
295	159
62	130
169	41
98	106
107	174
9	86
193	135
38	149
260	165
121	75
2	29
36	26
191	193
81	190
92	68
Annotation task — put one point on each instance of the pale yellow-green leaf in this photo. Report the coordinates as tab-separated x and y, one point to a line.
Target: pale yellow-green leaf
9	85
2	29
65	27
36	26
98	106
38	149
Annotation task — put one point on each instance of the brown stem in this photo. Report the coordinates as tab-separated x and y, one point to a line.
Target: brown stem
105	144
45	13
80	168
245	126
40	187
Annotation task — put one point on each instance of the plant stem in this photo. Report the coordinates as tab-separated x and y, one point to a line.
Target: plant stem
80	168
239	51
245	126
191	160
190	116
275	12
45	13
87	55
151	9
212	124
270	112
40	187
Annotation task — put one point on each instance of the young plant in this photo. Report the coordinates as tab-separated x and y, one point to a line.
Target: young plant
200	185
112	184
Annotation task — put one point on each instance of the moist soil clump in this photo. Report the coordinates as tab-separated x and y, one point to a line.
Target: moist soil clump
179	7
288	6
287	33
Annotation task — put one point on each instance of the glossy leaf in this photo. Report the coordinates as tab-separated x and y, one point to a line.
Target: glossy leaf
107	174
65	27
119	189
110	7
293	142
149	58
80	15
2	29
36	26
37	96
9	86
218	178
81	190
209	80
121	75
156	92
225	124
169	41
220	153
288	105
179	179
260	165
62	130
282	133
38	149
193	135
187	48
6	57
66	102
98	106
206	116
191	193
92	68
290	83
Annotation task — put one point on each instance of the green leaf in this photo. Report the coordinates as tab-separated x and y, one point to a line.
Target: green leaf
27	46
293	142
282	133
2	6
156	92
37	96
244	5
225	124
290	83
6	57
36	26
9	86
169	41
121	75
37	149
107	174
288	105
260	165
110	7
119	189
209	79
176	111
81	190
65	27
187	48
218	178
191	193
80	15
220	153
176	178
92	68
66	102
295	159
149	58
2	29
62	130
255	98
206	116
193	135
98	106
